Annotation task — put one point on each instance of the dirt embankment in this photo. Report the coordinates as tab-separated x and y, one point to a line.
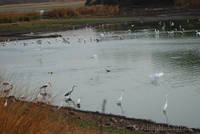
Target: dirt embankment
112	121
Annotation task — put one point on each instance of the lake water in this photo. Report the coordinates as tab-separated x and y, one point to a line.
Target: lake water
132	56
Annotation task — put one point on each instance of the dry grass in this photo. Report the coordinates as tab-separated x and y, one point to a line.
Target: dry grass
82	12
193	3
19	116
12	17
41	6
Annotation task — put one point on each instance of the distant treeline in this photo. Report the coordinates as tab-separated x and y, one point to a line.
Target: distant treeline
144	3
5	2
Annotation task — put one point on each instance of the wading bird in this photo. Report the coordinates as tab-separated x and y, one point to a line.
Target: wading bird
165	105
95	56
119	102
197	33
70	92
6	103
79	103
165	109
65	41
46	85
7	87
157	31
157	75
44	88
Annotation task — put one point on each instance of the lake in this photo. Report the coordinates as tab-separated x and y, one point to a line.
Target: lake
106	60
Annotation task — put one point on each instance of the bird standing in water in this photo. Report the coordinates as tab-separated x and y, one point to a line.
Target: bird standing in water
79	103
70	92
165	105
119	102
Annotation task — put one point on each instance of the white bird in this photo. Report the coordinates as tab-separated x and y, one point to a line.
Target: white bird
157	32
70	92
6	103
95	56
157	75
78	103
65	41
172	23
119	102
102	35
197	33
165	105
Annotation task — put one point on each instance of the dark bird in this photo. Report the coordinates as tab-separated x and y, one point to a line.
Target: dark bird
70	92
108	70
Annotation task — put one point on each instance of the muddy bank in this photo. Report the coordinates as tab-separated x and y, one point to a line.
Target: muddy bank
22	36
110	120
137	15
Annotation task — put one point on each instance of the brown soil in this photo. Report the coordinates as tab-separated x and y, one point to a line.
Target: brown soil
113	121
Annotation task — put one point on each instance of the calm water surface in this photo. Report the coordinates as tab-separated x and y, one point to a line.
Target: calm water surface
132	56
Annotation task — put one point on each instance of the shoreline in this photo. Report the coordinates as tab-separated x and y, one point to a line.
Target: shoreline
109	120
17	31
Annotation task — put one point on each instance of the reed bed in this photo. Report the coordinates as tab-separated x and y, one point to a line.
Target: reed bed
91	11
13	17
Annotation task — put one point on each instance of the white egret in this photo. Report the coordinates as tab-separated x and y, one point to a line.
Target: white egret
102	35
172	23
165	109
6	103
197	33
157	32
78	103
70	92
119	102
157	75
165	105
95	56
